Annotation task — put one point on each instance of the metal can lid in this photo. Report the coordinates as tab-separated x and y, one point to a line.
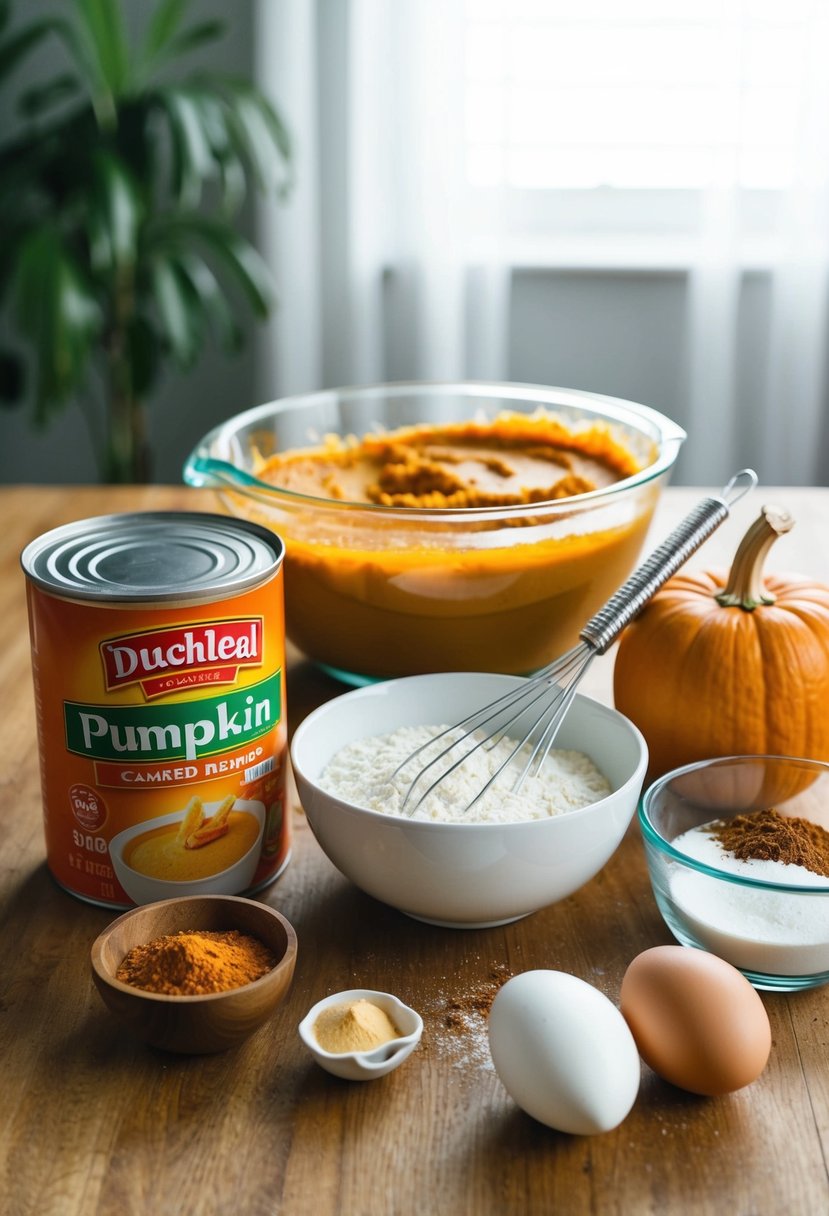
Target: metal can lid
153	556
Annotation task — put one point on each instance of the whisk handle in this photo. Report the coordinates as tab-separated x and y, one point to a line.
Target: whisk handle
666	559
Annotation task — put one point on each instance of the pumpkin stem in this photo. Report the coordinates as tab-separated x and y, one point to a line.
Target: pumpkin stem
745	587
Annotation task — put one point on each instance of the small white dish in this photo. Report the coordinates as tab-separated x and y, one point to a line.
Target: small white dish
364	1065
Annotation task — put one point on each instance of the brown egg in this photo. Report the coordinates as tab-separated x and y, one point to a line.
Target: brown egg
696	1020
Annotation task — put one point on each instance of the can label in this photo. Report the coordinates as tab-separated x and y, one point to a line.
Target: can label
163	744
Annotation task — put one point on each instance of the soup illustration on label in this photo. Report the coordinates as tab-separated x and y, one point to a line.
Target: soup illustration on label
158	659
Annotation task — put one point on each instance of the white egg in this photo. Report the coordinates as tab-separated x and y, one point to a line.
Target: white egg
564	1052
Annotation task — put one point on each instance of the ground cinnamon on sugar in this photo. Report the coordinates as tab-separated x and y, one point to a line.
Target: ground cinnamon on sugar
769	836
194	962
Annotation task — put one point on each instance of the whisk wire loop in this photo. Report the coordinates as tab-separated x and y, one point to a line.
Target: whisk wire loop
555	716
465	729
554	686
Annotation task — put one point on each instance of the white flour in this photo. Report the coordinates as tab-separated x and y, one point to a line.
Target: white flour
760	930
361	774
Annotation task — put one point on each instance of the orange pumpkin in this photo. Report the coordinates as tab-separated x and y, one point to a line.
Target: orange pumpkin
729	663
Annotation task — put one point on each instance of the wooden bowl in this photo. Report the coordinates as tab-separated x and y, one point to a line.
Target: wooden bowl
194	1024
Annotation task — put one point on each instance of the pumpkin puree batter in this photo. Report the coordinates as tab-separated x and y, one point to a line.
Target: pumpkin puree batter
384	596
512	460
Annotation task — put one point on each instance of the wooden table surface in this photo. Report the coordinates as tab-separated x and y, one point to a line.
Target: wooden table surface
94	1122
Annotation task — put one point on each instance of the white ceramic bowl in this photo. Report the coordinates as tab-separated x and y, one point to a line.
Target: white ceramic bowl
144	889
365	1065
465	875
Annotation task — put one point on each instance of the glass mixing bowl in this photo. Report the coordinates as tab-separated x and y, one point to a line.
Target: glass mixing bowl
374	592
775	931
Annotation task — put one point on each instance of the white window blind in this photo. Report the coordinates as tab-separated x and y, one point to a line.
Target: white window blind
646	95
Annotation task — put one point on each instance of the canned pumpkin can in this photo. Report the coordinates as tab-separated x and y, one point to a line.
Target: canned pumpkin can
158	658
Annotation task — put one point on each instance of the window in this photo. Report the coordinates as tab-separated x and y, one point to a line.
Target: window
650	95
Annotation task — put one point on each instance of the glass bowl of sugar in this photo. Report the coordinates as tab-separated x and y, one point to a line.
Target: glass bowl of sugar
738	853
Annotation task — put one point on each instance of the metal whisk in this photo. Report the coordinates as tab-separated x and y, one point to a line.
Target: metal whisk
530	715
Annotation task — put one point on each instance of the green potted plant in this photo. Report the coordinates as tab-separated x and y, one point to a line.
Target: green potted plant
119	196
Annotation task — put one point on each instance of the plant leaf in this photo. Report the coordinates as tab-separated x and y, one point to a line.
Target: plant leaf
82	52
173	46
253	140
56	310
164	22
208	290
41	97
212	118
227	249
118	212
279	132
102	24
19	45
48	175
260	138
234	183
192	158
175	312
76	42
196	36
231	171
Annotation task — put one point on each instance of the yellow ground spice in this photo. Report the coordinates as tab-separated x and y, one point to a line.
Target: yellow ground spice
196	961
354	1026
